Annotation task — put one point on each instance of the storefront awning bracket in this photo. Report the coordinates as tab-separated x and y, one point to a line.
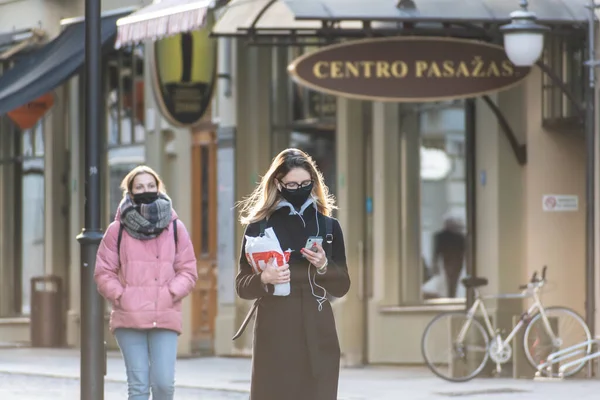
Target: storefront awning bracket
262	12
519	149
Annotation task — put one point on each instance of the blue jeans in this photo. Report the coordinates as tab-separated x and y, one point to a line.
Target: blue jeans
150	357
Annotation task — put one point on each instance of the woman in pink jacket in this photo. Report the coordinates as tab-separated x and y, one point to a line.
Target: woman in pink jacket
145	267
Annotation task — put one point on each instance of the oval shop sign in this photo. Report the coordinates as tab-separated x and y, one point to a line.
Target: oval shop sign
184	71
408	69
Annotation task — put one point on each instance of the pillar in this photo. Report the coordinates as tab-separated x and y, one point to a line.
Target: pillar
253	138
9	183
76	200
386	204
410	211
226	219
351	214
499	204
56	188
282	99
386	256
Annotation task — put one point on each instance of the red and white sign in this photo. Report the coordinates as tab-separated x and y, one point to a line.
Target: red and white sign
560	203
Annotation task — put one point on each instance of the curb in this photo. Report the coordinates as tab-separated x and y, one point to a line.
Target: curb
113	380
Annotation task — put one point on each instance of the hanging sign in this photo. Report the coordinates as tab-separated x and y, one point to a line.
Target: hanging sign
26	116
184	70
408	69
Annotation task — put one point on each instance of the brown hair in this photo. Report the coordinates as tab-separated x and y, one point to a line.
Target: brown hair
263	200
127	182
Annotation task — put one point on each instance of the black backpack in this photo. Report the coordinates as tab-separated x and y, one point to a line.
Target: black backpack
121	228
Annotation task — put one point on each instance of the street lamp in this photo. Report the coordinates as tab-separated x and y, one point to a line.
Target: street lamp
523	37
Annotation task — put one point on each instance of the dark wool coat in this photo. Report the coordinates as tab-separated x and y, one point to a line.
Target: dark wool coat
296	353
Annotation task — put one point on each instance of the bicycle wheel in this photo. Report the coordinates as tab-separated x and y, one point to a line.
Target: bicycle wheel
568	327
448	358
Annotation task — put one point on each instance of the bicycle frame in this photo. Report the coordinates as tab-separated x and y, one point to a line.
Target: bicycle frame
531	292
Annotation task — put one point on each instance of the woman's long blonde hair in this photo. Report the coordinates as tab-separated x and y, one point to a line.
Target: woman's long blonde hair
264	199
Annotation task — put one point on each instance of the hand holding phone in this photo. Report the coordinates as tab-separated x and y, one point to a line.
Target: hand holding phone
313	251
312	241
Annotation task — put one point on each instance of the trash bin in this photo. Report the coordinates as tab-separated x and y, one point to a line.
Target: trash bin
47	317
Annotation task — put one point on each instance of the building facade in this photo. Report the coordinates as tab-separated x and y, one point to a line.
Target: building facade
399	171
42	167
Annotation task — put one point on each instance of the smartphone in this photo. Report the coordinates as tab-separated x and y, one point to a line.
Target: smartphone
311	241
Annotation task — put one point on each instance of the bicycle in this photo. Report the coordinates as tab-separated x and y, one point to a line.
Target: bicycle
540	339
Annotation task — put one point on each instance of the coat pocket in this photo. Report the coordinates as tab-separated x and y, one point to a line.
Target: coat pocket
122	303
166	301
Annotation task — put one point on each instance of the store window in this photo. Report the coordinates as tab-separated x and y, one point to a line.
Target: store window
564	56
443	201
125	114
22	211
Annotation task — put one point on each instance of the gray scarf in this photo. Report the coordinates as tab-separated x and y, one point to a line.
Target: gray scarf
145	221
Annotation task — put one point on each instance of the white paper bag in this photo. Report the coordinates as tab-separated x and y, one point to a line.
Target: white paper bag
259	250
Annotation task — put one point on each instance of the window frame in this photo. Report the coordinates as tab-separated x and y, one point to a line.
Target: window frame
564	56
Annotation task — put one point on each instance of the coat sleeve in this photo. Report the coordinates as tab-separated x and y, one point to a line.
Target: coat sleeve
336	280
186	270
248	284
106	273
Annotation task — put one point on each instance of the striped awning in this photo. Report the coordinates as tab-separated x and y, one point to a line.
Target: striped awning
161	19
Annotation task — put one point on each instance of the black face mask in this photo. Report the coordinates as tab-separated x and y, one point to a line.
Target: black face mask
145	198
297	197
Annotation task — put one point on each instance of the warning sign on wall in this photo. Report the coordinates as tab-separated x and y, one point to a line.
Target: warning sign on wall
560	202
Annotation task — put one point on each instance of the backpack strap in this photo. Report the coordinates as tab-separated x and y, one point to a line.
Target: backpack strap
326	225
119	237
175	232
263	226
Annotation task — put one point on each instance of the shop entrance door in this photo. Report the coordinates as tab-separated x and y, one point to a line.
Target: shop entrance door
204	237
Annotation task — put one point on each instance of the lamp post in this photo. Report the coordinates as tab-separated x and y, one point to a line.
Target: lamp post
92	309
524	42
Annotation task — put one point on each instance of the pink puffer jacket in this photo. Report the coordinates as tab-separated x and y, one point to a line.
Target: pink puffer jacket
147	286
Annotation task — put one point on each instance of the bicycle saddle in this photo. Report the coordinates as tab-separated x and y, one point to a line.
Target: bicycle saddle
474	281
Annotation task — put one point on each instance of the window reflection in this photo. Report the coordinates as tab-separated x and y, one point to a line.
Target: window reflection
443	201
125	98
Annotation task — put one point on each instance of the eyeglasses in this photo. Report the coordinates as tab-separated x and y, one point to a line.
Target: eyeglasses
295	185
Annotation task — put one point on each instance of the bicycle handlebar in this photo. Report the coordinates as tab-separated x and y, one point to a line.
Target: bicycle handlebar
535	281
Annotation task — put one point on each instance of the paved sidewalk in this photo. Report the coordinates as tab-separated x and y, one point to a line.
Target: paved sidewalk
233	374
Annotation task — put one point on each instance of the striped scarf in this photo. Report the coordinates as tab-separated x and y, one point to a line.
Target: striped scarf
145	221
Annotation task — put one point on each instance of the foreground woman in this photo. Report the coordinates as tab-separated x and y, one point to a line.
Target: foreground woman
296	353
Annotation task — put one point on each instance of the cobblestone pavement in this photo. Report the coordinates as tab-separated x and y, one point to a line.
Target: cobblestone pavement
30	387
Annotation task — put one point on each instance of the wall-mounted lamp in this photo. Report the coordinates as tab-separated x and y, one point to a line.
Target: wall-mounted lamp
524	37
